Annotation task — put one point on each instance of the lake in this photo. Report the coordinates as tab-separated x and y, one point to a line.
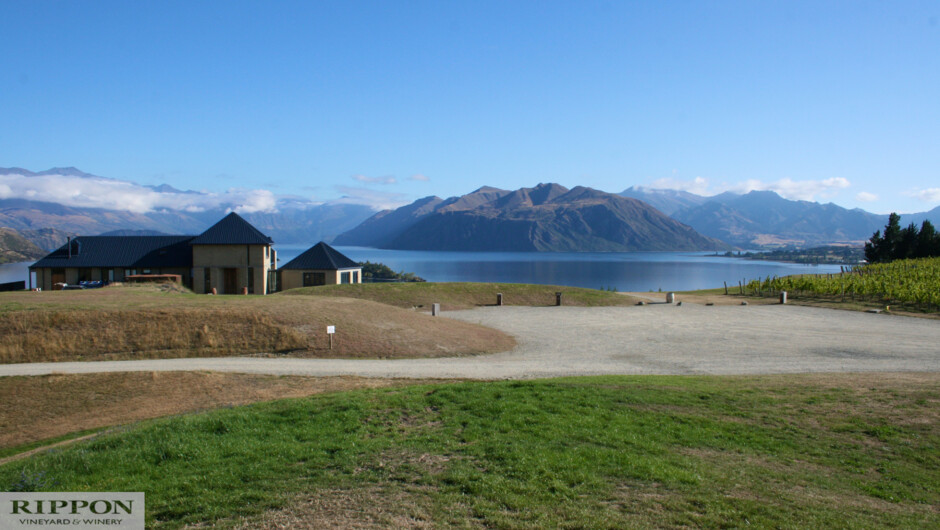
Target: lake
625	271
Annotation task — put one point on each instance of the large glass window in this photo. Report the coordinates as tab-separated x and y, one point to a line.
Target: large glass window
251	280
344	277
312	279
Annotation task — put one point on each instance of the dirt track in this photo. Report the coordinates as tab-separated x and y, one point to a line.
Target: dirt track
652	339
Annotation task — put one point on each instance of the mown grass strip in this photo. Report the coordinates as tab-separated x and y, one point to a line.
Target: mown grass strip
466	295
804	451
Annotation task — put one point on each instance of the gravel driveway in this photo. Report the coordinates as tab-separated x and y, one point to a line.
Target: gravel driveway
651	339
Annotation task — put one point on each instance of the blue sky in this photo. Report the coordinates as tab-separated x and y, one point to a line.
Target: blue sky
386	102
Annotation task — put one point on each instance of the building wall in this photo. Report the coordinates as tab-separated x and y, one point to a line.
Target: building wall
74	275
294	278
217	258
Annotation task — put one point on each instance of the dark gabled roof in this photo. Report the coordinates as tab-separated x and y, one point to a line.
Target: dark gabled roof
122	252
321	257
232	230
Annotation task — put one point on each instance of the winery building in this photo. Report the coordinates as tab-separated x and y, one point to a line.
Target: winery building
231	256
320	264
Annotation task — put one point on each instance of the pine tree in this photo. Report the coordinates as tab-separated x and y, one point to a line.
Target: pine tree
907	243
902	244
928	241
891	238
873	247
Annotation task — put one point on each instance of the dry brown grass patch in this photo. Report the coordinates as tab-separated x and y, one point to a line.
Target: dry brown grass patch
390	506
90	335
140	323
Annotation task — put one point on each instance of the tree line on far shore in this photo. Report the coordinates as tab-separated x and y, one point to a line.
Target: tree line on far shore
902	243
379	272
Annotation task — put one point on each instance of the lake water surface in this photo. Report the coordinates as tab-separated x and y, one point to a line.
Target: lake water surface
625	271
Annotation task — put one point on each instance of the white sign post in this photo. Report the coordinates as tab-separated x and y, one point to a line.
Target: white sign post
330	330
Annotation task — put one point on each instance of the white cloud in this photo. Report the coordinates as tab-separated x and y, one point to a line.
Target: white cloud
256	201
698	186
790	189
112	194
864	196
374	180
806	190
419	177
379	200
928	195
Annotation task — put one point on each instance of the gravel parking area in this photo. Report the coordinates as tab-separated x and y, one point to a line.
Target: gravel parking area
651	339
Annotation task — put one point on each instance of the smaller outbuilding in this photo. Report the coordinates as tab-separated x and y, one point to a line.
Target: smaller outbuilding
321	264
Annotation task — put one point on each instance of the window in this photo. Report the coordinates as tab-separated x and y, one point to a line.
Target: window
207	278
251	279
344	277
355	277
274	278
312	279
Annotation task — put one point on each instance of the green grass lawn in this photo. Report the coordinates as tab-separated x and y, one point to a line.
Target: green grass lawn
465	295
775	451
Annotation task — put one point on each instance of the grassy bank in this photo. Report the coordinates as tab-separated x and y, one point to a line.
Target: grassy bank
832	450
39	410
147	323
453	296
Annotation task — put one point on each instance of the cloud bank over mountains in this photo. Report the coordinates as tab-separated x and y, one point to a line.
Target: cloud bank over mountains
71	187
802	190
74	188
805	190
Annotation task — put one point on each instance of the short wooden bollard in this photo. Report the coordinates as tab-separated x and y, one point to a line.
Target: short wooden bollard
214	291
244	290
557	299
435	309
783	297
670	298
499	298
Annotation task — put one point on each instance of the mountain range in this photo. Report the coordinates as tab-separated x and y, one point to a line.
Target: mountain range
14	247
548	217
764	218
